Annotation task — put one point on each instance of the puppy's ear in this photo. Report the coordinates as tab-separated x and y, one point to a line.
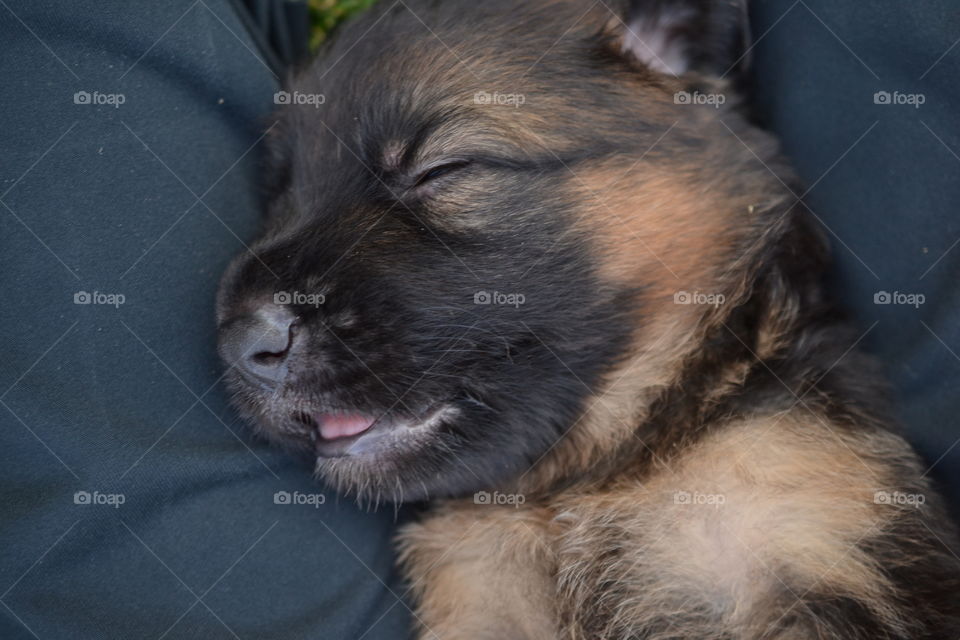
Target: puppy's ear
676	36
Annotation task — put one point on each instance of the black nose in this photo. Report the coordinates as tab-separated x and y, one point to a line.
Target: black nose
258	344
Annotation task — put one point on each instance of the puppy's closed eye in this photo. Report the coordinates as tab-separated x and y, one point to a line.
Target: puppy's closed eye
438	171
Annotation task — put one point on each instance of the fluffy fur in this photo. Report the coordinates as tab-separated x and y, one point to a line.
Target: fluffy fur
672	469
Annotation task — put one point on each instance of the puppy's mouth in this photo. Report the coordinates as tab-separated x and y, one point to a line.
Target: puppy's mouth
354	434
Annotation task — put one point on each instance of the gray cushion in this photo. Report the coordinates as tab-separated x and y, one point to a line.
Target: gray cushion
122	399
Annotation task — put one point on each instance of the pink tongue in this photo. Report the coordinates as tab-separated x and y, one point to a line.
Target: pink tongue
342	426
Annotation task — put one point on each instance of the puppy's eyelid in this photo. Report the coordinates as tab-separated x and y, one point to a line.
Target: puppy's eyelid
438	170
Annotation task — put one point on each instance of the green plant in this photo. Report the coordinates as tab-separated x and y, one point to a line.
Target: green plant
326	14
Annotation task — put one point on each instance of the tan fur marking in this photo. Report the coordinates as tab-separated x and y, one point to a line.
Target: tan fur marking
772	505
653	230
762	506
482	571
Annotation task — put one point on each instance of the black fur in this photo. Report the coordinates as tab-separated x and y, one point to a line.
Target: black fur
400	233
341	219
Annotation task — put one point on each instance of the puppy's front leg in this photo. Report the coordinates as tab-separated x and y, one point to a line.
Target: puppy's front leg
481	572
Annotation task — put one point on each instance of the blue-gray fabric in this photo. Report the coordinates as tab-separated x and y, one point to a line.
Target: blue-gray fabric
148	199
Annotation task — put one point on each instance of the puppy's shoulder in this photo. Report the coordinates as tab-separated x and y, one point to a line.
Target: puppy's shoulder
781	521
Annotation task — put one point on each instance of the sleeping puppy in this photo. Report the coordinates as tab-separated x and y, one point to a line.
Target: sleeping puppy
530	261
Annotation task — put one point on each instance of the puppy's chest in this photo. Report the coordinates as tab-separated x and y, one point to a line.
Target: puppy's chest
622	562
713	533
589	566
716	532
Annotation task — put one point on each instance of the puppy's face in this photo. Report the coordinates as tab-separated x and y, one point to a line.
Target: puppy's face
486	213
